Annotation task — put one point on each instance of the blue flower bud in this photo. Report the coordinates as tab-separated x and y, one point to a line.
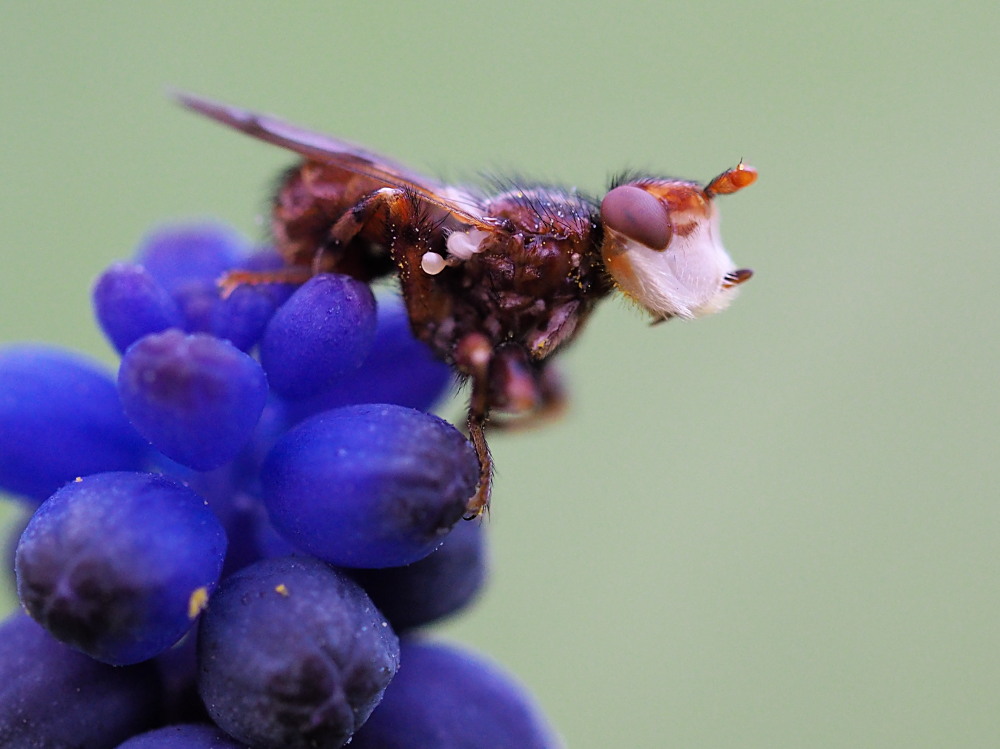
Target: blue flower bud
196	398
324	330
449	699
178	256
119	565
369	485
129	303
60	418
243	314
189	261
400	369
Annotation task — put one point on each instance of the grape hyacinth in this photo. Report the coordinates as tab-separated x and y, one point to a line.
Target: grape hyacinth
229	534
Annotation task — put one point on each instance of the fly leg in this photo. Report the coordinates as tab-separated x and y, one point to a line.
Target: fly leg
480	501
380	210
290	274
473	356
505	379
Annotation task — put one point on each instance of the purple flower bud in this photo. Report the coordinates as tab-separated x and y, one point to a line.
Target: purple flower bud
60	418
130	303
119	565
449	699
293	654
196	398
370	485
324	331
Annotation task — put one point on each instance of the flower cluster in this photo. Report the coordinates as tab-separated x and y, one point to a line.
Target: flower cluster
236	541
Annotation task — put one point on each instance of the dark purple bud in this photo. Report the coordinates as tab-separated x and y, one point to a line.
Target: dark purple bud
119	565
434	587
293	654
190	736
52	696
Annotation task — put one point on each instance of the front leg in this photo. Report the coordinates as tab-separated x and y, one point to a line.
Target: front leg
503	379
374	220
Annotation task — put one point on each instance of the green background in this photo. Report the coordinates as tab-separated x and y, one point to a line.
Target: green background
777	527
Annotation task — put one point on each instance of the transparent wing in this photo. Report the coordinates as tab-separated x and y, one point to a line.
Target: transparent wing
324	149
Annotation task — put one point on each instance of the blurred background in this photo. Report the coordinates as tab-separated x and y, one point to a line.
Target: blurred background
777	527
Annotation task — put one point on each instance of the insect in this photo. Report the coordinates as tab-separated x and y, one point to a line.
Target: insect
495	284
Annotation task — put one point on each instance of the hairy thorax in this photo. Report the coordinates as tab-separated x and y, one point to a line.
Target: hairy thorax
534	286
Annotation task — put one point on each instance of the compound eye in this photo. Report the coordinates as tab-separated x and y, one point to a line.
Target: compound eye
632	211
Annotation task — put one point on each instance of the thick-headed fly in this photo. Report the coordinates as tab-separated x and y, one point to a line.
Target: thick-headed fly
494	284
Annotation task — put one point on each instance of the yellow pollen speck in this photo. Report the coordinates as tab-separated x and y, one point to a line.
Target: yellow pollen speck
281	590
197	601
78	480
